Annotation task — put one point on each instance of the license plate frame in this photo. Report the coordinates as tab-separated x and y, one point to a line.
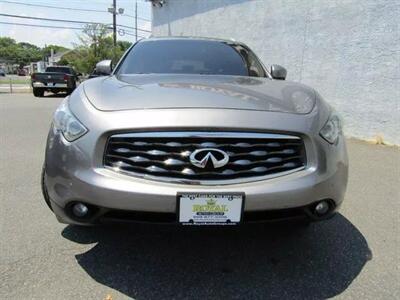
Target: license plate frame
220	199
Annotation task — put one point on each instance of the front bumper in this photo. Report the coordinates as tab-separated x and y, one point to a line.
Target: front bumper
75	171
37	84
67	180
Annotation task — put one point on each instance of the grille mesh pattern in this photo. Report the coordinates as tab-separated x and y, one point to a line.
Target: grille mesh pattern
166	156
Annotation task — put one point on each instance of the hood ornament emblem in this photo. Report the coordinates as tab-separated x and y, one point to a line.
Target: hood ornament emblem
209	157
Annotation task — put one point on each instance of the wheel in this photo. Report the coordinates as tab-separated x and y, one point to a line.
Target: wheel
70	90
44	190
38	92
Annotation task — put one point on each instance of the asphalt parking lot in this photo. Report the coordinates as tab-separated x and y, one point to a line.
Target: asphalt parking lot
355	255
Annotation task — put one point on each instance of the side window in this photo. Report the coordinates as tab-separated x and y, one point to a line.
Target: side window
255	68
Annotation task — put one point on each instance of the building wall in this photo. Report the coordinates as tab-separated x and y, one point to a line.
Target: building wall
348	50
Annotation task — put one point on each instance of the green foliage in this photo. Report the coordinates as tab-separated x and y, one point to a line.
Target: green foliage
6	41
123	45
18	53
46	51
96	44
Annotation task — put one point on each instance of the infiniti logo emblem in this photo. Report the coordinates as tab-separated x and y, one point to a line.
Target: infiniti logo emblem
211	157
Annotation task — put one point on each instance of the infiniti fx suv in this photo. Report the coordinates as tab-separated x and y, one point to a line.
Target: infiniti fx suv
193	131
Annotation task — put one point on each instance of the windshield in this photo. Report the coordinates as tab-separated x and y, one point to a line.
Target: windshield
191	57
64	70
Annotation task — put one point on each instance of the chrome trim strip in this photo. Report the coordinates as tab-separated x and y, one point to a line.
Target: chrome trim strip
203	182
55	86
202	134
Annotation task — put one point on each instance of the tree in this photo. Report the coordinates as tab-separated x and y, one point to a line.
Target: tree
6	42
18	53
46	51
123	45
28	53
96	44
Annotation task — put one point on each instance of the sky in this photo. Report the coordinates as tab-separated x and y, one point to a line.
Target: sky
69	37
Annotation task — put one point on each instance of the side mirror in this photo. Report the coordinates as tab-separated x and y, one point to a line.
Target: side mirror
278	72
104	67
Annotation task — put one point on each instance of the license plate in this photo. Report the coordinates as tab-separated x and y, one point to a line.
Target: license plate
210	209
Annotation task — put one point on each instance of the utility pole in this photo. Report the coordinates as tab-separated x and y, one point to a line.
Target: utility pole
115	22
136	20
115	12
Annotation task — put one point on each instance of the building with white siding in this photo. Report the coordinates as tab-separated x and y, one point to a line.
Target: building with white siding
347	50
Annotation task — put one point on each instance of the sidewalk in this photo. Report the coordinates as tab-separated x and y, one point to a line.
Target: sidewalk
15	88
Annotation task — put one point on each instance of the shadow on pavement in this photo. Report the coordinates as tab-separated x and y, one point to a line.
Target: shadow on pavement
257	261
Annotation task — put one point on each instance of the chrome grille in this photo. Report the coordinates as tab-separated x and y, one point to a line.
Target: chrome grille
165	156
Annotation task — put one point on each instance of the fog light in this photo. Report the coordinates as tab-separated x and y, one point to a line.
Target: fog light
80	210
322	208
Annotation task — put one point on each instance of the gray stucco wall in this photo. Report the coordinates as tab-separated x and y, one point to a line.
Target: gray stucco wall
348	50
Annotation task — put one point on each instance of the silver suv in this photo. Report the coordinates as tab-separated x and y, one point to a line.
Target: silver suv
197	132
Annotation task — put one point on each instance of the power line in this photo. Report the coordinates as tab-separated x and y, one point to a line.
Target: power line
100	1
139	18
139	36
129	32
67	21
45	26
47	19
50	6
144	30
68	8
125	32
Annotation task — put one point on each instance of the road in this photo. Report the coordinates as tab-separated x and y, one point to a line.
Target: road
352	256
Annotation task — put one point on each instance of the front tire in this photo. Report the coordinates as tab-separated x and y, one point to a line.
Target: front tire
38	92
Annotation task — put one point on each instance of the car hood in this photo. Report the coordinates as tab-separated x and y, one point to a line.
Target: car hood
151	91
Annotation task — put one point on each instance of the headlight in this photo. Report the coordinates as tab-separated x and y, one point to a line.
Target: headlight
66	122
332	129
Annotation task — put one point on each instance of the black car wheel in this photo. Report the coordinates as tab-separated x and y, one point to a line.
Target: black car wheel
38	92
